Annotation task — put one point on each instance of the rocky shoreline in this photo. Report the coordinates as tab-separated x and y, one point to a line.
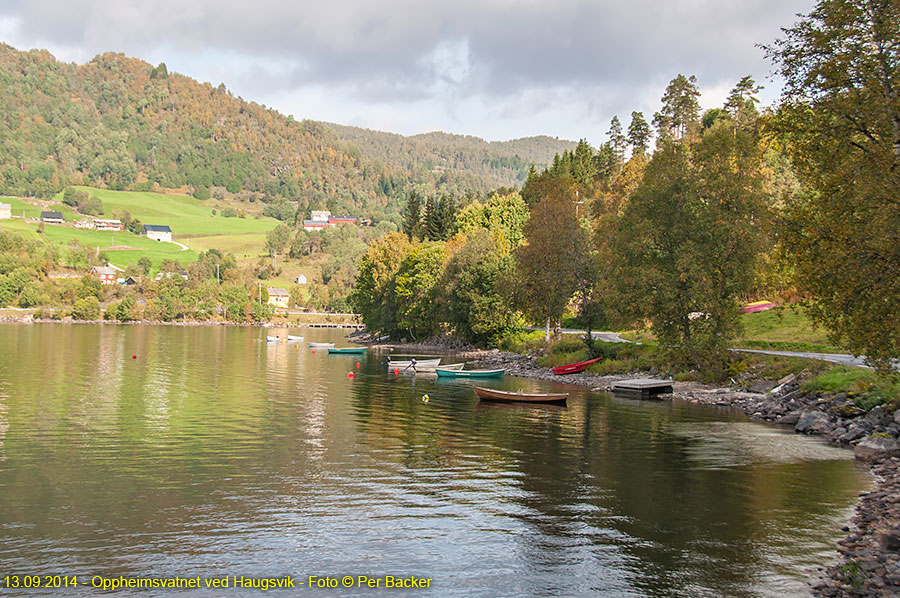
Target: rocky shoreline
868	561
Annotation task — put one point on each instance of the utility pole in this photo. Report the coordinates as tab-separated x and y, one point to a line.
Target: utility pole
217	275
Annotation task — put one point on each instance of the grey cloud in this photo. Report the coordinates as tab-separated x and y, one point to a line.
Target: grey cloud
386	50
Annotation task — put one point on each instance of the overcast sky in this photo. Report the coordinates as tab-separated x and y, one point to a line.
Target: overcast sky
498	69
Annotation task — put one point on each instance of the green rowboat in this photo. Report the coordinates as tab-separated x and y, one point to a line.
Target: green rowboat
443	373
347	350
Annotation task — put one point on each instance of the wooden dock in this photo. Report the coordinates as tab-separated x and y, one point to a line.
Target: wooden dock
642	388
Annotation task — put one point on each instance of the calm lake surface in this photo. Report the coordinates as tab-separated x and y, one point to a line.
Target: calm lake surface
211	455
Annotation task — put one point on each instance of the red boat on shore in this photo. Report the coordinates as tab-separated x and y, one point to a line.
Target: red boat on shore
575	367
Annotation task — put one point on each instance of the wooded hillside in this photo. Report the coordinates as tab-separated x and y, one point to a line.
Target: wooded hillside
122	123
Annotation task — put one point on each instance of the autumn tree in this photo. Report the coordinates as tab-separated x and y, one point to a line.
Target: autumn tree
473	290
687	242
549	262
840	117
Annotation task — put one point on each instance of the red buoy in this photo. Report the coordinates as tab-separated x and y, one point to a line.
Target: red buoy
349	374
396	372
314	351
134	356
357	365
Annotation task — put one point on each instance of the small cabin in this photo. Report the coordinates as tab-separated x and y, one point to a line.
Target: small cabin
278	297
301	279
5	211
158	232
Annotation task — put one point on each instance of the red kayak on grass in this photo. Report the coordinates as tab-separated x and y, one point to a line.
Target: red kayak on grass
575	367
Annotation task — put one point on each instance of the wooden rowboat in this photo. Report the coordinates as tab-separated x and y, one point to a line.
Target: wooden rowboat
319	345
272	339
575	367
449	372
347	350
293	338
501	396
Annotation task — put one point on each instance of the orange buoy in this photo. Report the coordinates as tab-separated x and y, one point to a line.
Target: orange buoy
396	372
357	365
349	374
314	351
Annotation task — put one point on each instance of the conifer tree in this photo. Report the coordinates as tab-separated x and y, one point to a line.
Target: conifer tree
412	217
639	133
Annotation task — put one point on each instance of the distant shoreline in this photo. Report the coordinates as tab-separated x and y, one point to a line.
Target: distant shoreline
183	323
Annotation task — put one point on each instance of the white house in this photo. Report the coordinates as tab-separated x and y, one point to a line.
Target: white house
320	215
158	232
106	274
5	211
301	279
278	297
101	224
52	217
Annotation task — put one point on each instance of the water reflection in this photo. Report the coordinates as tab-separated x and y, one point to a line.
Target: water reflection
211	454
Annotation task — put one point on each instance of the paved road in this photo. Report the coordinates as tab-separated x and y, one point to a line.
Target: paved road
839	358
609	337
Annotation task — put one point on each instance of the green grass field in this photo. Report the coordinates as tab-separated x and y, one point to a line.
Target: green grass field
18	207
184	215
191	221
246	245
142	246
785	328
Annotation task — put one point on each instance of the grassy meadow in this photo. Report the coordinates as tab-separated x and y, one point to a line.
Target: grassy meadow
192	222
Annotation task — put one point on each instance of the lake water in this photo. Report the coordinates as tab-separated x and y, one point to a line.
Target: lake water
211	455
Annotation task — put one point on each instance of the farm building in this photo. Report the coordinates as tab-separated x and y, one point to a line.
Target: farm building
52	217
5	211
301	279
315	224
158	232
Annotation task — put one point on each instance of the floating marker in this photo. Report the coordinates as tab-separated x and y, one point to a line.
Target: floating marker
134	356
349	374
314	351
298	346
396	372
425	398
357	365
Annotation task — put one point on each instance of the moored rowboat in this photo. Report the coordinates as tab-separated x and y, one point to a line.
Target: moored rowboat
449	372
319	345
291	337
347	350
575	367
501	396
272	339
416	363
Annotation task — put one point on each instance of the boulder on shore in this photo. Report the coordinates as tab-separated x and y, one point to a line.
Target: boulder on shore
814	422
876	448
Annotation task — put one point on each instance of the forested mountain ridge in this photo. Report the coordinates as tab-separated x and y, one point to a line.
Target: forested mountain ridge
121	123
502	163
